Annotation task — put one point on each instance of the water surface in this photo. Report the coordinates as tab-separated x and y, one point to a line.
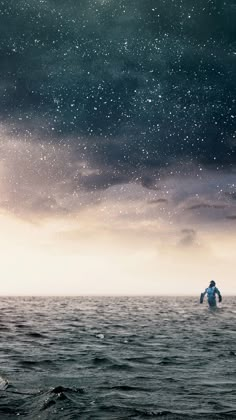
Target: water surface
117	358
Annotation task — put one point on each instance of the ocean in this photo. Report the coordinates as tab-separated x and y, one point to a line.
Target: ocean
117	358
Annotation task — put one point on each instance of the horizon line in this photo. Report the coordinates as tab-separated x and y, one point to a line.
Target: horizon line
106	295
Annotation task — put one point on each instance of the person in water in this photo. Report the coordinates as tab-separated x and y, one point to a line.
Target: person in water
211	293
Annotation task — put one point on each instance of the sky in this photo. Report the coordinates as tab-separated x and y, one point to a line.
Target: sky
117	146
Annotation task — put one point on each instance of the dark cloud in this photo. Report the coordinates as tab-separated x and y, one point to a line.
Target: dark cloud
158	201
148	180
188	237
231	195
207	206
140	84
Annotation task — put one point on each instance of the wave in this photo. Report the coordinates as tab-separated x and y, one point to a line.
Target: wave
3	383
168	367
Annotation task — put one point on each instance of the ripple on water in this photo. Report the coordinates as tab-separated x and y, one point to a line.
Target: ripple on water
110	358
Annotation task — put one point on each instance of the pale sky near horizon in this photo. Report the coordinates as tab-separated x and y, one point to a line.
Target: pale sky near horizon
117	147
86	253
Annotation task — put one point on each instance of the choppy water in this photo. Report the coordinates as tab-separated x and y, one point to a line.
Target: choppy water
117	358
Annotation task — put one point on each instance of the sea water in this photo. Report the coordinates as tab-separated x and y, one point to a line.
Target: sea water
117	358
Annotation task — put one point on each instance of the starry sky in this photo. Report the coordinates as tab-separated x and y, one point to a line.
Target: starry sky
117	146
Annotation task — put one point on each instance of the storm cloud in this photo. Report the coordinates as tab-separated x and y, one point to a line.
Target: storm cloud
133	86
125	107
